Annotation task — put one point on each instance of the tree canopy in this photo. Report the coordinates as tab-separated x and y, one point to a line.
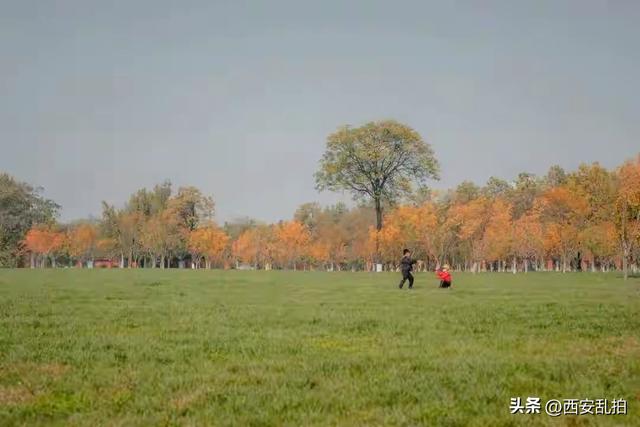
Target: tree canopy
382	161
21	207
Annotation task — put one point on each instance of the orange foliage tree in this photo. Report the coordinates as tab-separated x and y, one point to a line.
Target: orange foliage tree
209	242
528	240
470	220
564	213
627	209
161	235
498	234
43	242
82	240
254	247
292	243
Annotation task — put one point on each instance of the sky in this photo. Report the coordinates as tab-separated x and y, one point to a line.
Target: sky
101	98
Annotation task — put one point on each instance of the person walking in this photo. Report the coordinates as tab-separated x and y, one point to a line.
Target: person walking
406	266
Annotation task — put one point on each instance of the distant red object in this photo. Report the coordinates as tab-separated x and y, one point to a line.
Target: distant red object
444	275
104	263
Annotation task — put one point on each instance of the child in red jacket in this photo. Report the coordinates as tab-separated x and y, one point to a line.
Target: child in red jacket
445	276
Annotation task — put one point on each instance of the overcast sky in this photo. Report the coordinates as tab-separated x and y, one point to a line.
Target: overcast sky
100	98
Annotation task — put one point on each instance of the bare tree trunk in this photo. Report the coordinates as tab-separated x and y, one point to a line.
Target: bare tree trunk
625	256
378	205
162	261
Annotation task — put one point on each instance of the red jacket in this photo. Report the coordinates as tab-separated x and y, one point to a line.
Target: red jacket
444	275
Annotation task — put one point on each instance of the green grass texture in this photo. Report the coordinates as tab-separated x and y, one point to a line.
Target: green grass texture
255	348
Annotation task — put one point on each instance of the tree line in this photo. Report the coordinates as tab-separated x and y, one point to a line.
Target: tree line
588	219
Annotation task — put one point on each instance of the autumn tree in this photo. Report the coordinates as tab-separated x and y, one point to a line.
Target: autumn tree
82	240
627	209
414	227
379	160
470	220
161	236
209	242
528	240
498	236
563	213
526	188
496	187
254	246
43	242
600	242
293	240
192	207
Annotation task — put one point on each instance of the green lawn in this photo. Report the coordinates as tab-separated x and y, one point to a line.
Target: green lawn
143	347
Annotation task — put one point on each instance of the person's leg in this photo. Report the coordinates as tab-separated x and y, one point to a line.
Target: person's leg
404	278
410	280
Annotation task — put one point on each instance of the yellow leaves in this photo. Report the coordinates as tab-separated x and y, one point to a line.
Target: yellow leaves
292	242
42	239
498	235
106	246
629	182
470	217
561	204
293	234
254	245
528	235
320	251
210	242
82	240
600	239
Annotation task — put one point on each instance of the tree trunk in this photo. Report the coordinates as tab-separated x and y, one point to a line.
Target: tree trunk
625	256
162	266
514	265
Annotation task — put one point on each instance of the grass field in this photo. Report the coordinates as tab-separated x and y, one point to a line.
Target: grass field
108	347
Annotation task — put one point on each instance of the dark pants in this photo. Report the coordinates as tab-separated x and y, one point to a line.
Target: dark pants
444	284
406	275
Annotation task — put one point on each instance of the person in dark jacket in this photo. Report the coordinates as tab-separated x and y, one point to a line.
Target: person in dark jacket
406	265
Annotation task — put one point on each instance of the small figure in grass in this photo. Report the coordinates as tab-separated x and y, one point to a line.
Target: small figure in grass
445	276
406	265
